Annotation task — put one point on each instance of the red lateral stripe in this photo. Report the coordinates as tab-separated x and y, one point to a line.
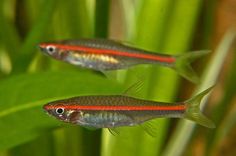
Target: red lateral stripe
115	52
113	108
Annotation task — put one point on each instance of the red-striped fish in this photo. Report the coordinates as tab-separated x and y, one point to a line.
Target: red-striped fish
116	110
103	55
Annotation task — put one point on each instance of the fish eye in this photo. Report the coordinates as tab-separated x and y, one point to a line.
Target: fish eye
60	111
51	49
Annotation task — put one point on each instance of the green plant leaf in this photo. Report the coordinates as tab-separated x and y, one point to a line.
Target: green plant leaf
22	98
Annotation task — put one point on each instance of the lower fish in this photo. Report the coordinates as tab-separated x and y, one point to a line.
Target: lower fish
104	55
111	111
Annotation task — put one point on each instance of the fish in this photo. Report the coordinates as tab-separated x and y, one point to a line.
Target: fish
114	111
106	55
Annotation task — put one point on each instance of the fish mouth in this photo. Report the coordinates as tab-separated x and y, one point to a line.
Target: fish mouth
42	49
45	107
40	46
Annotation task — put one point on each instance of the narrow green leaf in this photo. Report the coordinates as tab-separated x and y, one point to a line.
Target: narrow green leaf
36	34
63	27
224	114
9	38
102	18
68	141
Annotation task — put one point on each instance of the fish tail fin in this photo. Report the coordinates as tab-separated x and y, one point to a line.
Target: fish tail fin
193	112
183	67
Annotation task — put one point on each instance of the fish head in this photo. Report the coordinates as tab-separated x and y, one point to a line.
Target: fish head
58	110
53	50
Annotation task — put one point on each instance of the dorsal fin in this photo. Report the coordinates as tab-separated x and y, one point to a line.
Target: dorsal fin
134	88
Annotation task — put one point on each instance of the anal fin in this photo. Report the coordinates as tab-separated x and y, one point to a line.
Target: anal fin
150	127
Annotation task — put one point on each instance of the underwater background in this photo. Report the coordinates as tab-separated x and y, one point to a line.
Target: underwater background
29	79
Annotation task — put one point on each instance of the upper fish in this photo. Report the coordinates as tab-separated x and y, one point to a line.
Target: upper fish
104	54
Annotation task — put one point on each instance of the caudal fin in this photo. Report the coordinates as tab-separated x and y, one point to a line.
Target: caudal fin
183	67
193	112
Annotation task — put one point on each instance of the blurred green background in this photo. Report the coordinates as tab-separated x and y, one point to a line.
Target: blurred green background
29	79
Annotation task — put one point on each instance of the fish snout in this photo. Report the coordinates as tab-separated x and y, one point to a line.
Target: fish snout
45	107
42	48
